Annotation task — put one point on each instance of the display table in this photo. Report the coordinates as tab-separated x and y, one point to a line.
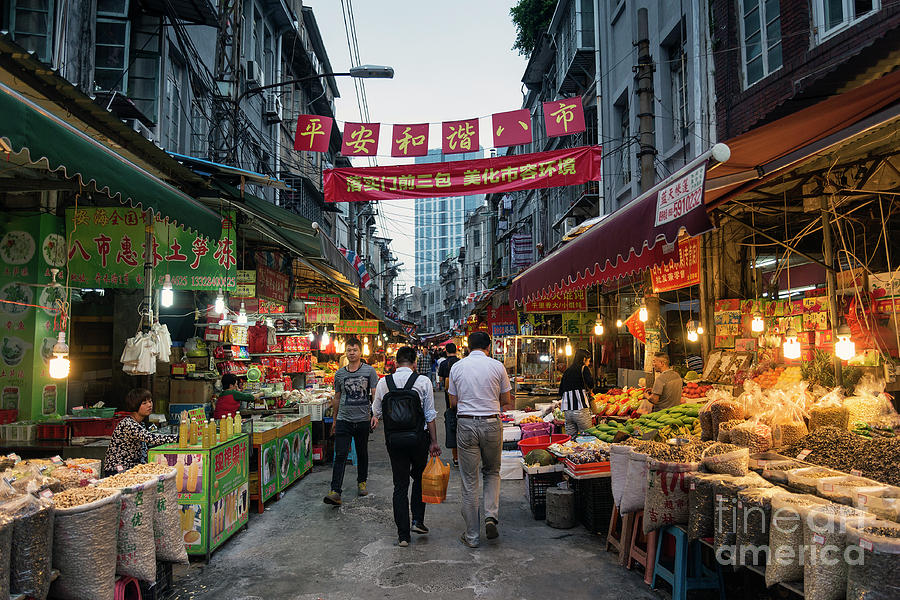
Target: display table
48	448
283	448
213	492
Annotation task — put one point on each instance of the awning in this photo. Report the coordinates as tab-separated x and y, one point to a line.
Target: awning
767	151
626	241
233	175
48	141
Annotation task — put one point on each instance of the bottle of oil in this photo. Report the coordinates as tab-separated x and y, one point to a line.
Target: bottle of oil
223	432
192	433
183	432
237	424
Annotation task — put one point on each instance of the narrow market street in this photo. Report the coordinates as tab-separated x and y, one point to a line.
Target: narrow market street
301	548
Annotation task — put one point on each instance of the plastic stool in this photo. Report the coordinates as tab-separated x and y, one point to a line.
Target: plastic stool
688	571
351	456
620	540
127	588
646	555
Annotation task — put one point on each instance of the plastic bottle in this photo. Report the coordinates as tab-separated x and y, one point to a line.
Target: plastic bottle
223	432
228	425
192	433
183	432
238	425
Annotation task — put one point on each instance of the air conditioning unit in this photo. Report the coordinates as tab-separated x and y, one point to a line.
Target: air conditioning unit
255	73
141	129
272	108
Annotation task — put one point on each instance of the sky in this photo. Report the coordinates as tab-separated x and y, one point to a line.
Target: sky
451	61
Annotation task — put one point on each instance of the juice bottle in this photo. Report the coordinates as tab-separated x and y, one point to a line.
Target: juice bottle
204	434
229	425
237	424
223	432
211	432
183	434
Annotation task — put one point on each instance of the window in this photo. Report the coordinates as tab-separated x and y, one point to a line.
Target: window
476	234
31	23
113	8
761	34
625	137
268	56
111	54
834	15
199	128
476	271
143	73
678	90
172	112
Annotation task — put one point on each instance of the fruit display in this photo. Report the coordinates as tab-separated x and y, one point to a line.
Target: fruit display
677	421
694	391
540	458
571	447
618	402
778	377
531	419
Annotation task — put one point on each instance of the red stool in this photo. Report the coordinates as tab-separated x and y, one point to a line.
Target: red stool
643	547
620	532
127	588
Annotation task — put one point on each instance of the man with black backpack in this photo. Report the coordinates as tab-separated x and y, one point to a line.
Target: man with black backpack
405	402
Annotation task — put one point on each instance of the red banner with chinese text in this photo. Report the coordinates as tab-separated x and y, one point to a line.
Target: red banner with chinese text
562	117
360	139
459	136
570	166
313	133
271	284
511	128
681	272
410	140
573	301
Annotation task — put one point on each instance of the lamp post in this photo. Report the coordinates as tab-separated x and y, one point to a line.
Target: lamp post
360	72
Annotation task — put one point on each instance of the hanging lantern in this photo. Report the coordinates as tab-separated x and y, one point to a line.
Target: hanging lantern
242	315
692	331
791	347
643	315
757	325
366	351
844	349
220	303
598	326
59	364
618	323
167	296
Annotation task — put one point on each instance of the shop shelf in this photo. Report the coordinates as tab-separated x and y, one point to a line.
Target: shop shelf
541	442
536	487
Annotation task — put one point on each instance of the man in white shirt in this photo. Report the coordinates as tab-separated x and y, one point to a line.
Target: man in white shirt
479	389
407	447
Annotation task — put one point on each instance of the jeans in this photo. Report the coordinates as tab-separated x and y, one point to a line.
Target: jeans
344	432
450	422
577	421
408	463
479	441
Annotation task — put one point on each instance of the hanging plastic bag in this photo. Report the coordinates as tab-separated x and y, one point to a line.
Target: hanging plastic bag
435	479
869	404
829	410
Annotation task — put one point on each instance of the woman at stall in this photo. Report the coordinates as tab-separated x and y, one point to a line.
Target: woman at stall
575	393
130	440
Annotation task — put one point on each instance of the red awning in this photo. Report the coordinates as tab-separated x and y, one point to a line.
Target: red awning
766	151
624	242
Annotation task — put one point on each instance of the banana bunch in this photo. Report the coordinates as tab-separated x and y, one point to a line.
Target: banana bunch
674	431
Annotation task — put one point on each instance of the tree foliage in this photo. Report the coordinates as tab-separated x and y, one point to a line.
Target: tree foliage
531	18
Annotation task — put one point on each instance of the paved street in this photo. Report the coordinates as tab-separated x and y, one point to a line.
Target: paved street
303	549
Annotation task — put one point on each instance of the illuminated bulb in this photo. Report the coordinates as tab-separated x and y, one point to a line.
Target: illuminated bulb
270	322
692	331
642	313
844	349
167	296
366	351
568	349
598	326
220	303
311	336
326	339
379	342
700	329
59	364
757	325
242	315
791	347
618	322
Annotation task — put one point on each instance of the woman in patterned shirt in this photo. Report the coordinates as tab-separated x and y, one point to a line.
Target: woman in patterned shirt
130	440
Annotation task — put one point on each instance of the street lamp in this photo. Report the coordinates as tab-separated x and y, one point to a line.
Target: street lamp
360	72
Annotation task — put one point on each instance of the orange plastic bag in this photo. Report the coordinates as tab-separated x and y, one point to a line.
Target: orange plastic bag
435	478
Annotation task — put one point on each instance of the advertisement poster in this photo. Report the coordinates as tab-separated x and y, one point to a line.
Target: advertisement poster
363	327
326	308
271	285
107	250
29	308
268	469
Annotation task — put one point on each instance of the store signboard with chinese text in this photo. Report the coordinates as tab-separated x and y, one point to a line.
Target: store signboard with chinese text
106	250
570	301
682	271
271	284
359	327
326	308
503	321
681	197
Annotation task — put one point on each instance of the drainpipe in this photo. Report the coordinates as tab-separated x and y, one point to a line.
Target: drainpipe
597	83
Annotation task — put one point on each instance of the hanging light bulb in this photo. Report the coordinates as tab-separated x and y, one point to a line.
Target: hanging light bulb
366	339
311	336
167	296
692	331
844	349
379	342
366	351
242	315
618	323
791	347
757	325
598	326
326	339
59	364
220	303
568	349
270	322
700	330
642	313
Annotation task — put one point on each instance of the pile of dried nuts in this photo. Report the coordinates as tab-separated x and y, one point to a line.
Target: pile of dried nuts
79	496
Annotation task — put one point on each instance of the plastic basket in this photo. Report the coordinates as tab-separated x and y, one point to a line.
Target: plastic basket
541	442
103	413
594	503
317	411
304	409
93	427
8	415
27	433
536	487
52	431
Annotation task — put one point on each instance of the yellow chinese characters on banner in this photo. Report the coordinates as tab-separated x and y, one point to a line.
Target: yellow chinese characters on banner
680	273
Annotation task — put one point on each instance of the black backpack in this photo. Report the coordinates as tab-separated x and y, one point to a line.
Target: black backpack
401	410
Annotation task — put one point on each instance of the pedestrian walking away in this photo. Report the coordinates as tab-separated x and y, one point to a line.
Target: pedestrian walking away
354	386
575	392
450	414
479	389
405	401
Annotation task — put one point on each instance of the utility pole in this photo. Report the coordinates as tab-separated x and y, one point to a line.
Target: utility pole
645	69
831	283
228	78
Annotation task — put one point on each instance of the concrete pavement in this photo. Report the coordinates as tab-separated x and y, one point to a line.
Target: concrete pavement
301	548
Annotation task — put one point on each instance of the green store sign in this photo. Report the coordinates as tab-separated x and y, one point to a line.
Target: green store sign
107	250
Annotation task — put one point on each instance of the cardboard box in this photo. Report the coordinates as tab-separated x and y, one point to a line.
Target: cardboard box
190	392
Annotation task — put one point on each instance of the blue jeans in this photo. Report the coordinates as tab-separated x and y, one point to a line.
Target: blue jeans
344	433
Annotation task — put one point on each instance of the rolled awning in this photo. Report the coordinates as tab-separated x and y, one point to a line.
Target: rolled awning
49	141
631	239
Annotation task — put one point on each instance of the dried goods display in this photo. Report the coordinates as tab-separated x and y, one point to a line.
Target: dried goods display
824	534
876	576
32	541
828	446
702	491
754	511
727	459
80	495
785	537
666	502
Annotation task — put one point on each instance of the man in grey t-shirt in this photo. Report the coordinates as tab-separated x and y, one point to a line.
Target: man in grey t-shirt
354	385
666	391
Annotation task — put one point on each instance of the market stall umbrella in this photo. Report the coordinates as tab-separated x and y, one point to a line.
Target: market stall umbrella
48	141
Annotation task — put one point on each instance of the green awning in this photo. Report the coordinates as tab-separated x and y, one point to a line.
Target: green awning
49	141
